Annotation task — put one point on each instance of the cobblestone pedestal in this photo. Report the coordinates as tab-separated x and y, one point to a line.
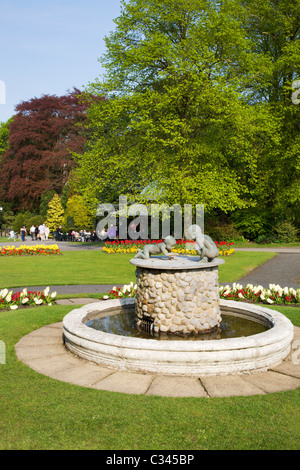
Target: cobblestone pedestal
179	295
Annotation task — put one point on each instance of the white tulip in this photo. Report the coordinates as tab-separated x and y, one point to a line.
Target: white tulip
3	293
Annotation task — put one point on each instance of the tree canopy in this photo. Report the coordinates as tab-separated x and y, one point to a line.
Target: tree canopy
42	136
4	136
198	104
195	107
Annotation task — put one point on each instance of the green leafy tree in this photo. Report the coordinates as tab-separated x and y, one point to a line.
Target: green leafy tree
199	105
35	220
273	30
4	136
77	214
176	113
55	213
20	220
45	199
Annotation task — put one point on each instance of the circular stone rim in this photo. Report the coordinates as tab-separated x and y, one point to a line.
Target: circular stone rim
205	357
176	263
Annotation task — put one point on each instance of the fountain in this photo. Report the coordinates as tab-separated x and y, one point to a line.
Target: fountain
177	300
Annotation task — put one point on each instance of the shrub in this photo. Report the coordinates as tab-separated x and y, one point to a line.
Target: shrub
286	232
267	238
36	220
252	222
223	232
20	220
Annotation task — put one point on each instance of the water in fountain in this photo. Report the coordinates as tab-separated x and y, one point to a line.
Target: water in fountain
124	323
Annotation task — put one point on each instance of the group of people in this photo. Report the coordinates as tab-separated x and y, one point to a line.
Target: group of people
112	232
39	232
75	236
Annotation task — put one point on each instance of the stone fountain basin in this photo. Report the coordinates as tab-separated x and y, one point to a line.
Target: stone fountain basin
207	357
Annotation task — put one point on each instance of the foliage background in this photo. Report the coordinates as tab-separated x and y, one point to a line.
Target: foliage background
195	104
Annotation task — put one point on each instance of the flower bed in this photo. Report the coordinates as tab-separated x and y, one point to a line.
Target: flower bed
12	301
132	246
128	290
30	250
258	294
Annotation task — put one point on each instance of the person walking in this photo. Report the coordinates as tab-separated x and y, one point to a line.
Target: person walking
23	233
32	232
47	231
12	235
42	232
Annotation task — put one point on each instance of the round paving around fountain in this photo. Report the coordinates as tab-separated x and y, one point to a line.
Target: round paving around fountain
44	352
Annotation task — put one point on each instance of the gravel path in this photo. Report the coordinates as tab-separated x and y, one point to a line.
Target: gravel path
283	269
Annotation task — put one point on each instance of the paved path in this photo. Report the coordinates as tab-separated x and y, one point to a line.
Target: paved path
283	269
63	246
68	246
44	352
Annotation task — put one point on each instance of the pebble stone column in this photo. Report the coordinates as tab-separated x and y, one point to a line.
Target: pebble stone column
177	296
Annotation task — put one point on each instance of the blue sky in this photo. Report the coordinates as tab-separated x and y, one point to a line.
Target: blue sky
51	46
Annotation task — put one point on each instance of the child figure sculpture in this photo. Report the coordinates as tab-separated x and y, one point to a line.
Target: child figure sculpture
205	246
165	247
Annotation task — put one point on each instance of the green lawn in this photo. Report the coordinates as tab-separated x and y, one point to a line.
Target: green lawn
96	267
41	413
38	412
